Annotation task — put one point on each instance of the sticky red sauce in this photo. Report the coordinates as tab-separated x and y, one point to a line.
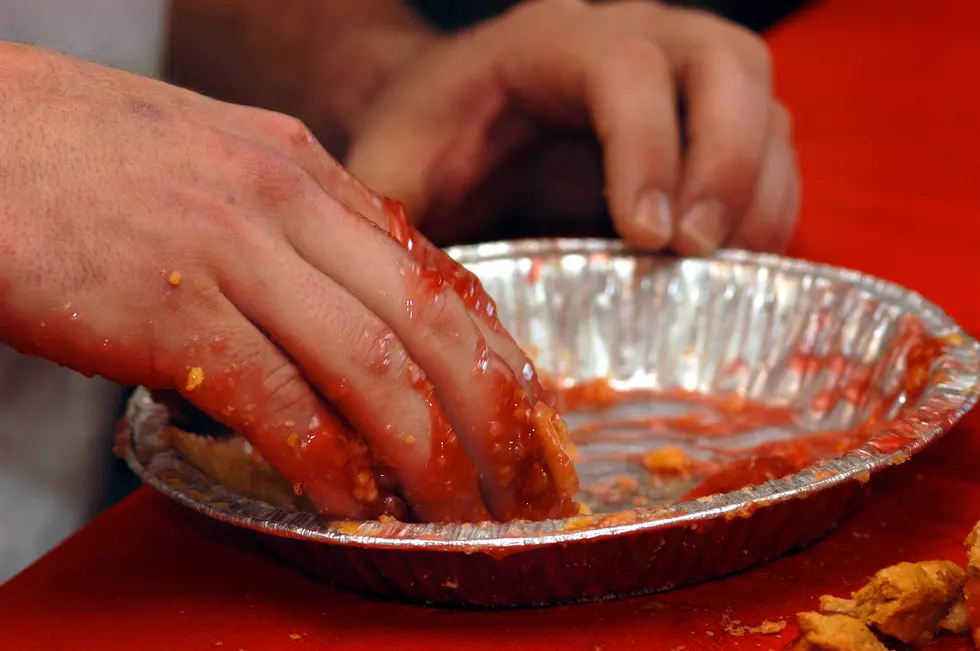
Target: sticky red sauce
66	335
534	274
451	488
533	477
323	457
433	271
714	418
592	394
749	471
723	416
526	448
437	270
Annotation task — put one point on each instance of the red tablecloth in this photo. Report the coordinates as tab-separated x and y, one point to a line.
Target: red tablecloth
886	97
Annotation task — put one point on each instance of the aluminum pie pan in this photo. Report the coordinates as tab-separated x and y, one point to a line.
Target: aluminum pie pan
539	285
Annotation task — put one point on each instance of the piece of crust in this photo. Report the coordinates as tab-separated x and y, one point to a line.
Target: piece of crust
955	621
228	460
835	632
906	601
971	590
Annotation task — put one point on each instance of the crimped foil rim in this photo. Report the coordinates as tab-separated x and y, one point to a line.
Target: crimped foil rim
959	368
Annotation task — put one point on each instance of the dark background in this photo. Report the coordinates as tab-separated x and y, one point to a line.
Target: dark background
754	14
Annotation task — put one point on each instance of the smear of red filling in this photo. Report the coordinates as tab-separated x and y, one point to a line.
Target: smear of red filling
533	476
726	416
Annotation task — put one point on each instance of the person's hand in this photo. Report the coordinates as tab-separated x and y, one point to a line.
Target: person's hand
158	237
695	151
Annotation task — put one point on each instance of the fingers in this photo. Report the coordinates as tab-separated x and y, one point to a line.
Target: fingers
492	416
768	223
486	404
294	140
628	60
723	75
622	83
480	306
392	218
641	148
671	182
728	113
360	366
238	377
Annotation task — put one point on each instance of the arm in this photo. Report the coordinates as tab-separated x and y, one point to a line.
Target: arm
323	61
154	236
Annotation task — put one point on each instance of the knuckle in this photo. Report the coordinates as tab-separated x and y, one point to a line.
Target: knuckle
290	131
204	294
272	178
263	171
286	390
374	348
445	316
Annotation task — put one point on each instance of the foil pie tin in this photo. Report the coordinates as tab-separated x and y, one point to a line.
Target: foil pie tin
737	324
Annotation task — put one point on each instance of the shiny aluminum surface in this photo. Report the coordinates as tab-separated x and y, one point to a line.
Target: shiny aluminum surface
587	309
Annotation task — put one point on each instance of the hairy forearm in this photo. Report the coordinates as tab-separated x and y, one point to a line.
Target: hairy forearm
322	61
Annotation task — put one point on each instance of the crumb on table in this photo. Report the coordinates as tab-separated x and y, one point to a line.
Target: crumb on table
736	628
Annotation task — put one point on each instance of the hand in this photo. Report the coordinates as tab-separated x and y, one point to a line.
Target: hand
158	237
491	121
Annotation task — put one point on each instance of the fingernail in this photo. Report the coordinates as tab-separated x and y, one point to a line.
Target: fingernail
704	225
653	215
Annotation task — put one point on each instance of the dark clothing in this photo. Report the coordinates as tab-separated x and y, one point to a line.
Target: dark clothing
754	14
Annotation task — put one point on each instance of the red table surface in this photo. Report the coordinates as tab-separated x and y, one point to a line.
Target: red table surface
885	96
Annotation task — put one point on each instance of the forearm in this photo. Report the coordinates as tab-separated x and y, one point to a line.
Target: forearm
322	61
